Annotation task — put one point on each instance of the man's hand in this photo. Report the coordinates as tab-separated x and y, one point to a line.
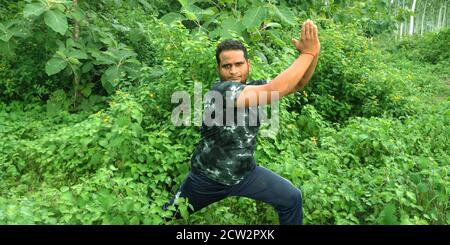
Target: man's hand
309	39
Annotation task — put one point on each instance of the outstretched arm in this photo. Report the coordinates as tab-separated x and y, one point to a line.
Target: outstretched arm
309	73
286	82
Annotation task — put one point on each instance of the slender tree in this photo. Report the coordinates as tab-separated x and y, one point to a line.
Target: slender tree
411	19
423	17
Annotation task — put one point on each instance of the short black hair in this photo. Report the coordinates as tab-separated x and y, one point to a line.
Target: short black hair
230	44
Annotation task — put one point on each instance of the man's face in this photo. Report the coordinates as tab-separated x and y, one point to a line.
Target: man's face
233	66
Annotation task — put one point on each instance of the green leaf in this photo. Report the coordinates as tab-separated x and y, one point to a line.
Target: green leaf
78	14
33	9
231	25
110	79
5	36
56	20
388	215
77	54
104	143
171	17
184	212
189	14
273	24
411	196
134	221
123	121
209	11
285	14
55	65
184	3
87	89
254	17
104	58
87	67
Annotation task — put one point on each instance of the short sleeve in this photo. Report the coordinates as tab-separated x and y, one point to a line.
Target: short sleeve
258	82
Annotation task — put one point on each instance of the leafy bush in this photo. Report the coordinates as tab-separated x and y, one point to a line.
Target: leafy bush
366	141
431	48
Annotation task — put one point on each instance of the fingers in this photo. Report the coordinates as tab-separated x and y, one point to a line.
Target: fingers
303	35
314	31
308	29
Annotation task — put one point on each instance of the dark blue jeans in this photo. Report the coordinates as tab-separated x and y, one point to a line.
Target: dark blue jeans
261	184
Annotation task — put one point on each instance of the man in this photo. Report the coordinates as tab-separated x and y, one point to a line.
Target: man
223	164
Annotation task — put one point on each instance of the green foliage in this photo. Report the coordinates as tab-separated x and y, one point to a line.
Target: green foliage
366	141
431	48
75	51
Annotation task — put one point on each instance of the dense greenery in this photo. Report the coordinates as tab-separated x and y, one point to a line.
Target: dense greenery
85	130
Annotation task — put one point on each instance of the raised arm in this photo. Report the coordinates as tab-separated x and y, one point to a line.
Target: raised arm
309	73
286	82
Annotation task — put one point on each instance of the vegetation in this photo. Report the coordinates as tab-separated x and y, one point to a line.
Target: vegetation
85	88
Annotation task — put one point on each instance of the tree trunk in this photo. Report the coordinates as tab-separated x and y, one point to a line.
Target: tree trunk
439	18
444	15
411	19
423	17
76	76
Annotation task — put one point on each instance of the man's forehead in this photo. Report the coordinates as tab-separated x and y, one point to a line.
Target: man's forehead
232	55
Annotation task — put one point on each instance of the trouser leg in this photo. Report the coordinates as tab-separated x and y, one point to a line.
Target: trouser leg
200	191
267	186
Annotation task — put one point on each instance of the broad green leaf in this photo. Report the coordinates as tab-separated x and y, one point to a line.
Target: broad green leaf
276	37
388	216
209	11
78	14
231	25
103	58
52	108
184	3
55	65
87	89
124	54
7	48
171	17
56	20
284	14
20	31
106	200
121	28
87	67
110	79
273	24
77	54
33	9
254	17
123	121
192	12
5	36
184	212
134	221
190	15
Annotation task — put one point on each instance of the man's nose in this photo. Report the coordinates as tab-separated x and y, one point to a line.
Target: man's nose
233	70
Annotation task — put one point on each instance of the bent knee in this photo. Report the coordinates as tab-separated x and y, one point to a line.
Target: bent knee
295	197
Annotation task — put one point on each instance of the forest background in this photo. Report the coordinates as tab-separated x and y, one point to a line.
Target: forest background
85	107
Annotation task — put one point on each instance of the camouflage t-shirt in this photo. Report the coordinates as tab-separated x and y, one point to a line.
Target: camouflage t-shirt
225	151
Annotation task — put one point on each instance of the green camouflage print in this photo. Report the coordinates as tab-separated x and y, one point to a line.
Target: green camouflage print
225	153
